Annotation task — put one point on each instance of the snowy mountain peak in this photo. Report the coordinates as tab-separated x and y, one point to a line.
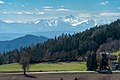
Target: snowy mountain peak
73	21
30	22
48	27
68	23
2	21
36	22
70	17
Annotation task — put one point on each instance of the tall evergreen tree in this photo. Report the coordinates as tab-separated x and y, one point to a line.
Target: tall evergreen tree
91	61
104	62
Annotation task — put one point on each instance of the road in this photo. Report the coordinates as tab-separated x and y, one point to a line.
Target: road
52	72
57	75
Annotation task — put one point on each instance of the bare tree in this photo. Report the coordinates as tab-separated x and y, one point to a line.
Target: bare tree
24	62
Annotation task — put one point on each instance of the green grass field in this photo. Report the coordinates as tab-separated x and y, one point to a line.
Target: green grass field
72	66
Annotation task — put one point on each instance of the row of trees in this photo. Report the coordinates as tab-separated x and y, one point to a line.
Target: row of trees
110	46
93	64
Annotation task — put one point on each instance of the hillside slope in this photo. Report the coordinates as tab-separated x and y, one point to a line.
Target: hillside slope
24	41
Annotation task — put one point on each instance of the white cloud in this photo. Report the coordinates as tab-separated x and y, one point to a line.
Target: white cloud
40	12
26	12
23	5
63	9
19	13
11	21
105	3
59	8
1	2
5	13
12	12
47	7
109	14
16	13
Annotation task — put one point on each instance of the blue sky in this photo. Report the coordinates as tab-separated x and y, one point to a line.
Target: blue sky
27	10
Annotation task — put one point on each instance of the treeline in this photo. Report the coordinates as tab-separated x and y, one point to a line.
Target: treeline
110	46
67	47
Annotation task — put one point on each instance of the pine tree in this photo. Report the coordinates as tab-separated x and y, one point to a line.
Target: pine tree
91	61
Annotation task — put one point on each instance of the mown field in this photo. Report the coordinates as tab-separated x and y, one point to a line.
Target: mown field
62	66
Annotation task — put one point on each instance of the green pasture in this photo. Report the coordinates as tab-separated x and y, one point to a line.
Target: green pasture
61	66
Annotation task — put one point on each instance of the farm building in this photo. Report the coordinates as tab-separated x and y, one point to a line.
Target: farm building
112	60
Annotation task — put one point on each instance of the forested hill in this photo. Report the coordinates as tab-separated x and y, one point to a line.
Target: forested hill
69	47
24	41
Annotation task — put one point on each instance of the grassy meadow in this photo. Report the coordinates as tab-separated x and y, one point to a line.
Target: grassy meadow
61	66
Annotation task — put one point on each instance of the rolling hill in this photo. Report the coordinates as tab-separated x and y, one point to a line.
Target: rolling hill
20	42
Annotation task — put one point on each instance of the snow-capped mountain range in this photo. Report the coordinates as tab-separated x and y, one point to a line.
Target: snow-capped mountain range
47	27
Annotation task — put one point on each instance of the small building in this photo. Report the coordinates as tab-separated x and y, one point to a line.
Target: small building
114	66
112	60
